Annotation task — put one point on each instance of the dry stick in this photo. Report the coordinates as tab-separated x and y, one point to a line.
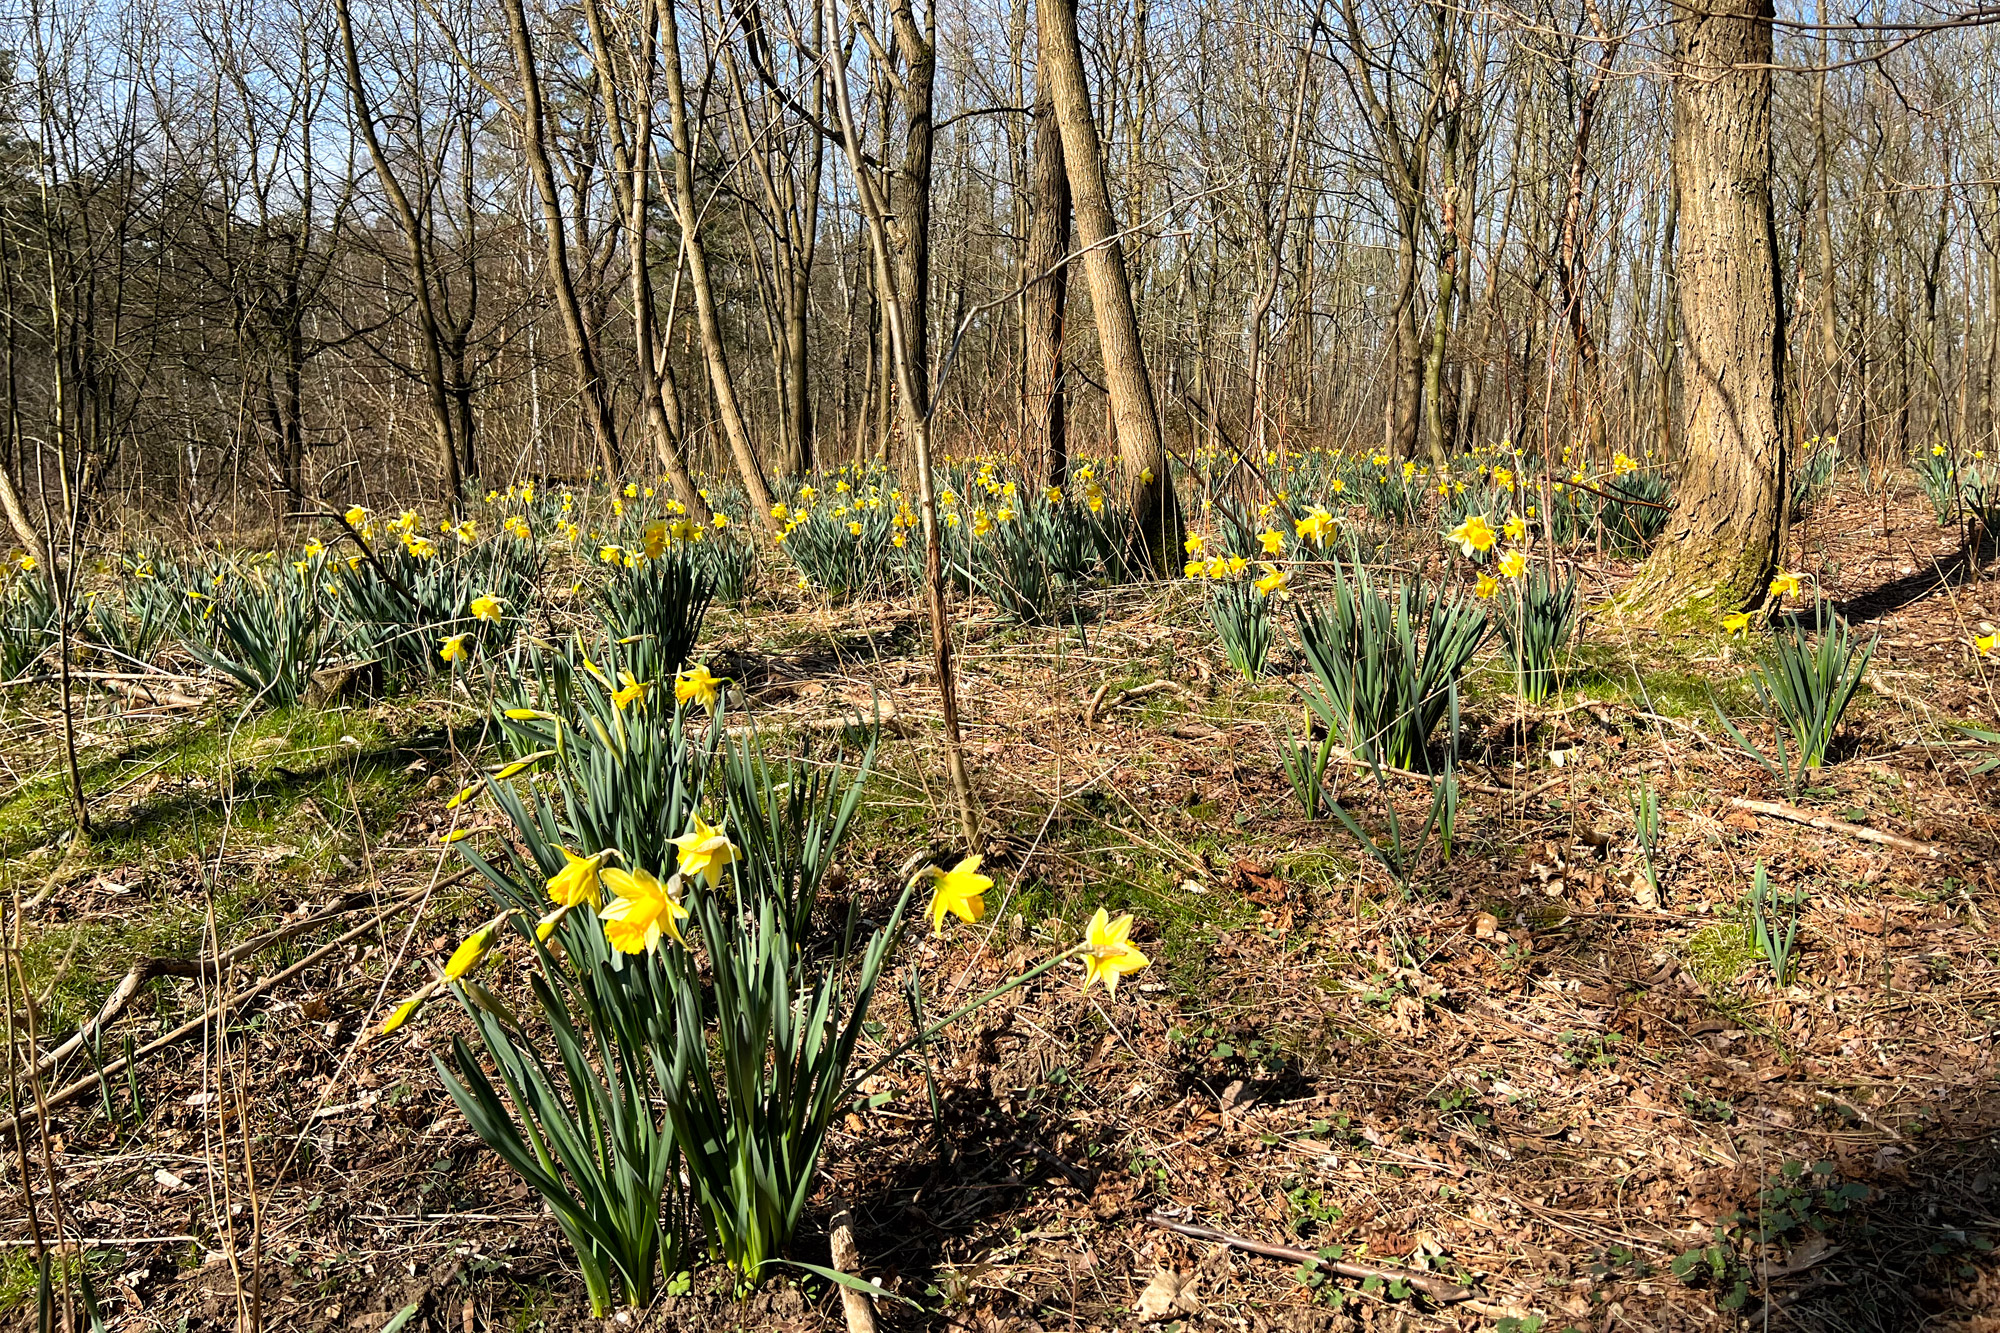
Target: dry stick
1434	1287
136	691
146	969
1098	705
859	1309
194	1025
1797	816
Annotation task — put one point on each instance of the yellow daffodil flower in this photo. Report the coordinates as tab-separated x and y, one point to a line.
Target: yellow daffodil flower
1472	536
1486	587
522	764
454	648
697	685
1316	526
1513	563
486	607
632	691
577	881
1274	579
1785	585
642	913
1985	643
959	891
401	1014
356	516
1107	953
1273	541
1737	624
705	850
464	796
1516	528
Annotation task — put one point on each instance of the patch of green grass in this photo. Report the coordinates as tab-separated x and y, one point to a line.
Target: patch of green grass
1718	954
284	797
20	1280
1319	868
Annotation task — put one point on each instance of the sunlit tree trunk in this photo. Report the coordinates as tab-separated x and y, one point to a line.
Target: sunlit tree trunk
1150	495
1722	541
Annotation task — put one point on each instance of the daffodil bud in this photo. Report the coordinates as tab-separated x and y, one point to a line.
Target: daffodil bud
469	954
402	1014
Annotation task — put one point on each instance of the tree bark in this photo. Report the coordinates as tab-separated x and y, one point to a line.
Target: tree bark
1723	539
916	425
1155	511
631	161
590	384
1048	293
909	214
749	467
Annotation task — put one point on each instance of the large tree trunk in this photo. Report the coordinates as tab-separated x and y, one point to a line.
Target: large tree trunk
749	467
1154	508
1723	539
1048	243
590	384
909	212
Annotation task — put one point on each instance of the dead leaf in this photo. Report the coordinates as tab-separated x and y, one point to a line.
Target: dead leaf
1484	925
1163	1295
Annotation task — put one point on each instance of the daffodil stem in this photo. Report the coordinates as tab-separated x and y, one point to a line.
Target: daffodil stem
978	1001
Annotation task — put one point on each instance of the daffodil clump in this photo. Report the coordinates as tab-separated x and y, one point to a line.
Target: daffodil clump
1537	615
691	1052
1806	675
857	532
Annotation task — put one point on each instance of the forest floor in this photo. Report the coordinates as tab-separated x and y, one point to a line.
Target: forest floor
1528	1076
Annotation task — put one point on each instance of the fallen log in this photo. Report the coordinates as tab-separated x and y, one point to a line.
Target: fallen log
1827	824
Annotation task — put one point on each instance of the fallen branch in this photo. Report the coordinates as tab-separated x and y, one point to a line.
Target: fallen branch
146	969
859	1309
136	690
74	1090
1829	825
1099	705
1434	1287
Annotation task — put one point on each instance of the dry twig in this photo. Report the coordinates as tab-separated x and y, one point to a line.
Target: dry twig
1828	824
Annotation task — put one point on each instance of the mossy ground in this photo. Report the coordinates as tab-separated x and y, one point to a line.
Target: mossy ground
1513	1068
